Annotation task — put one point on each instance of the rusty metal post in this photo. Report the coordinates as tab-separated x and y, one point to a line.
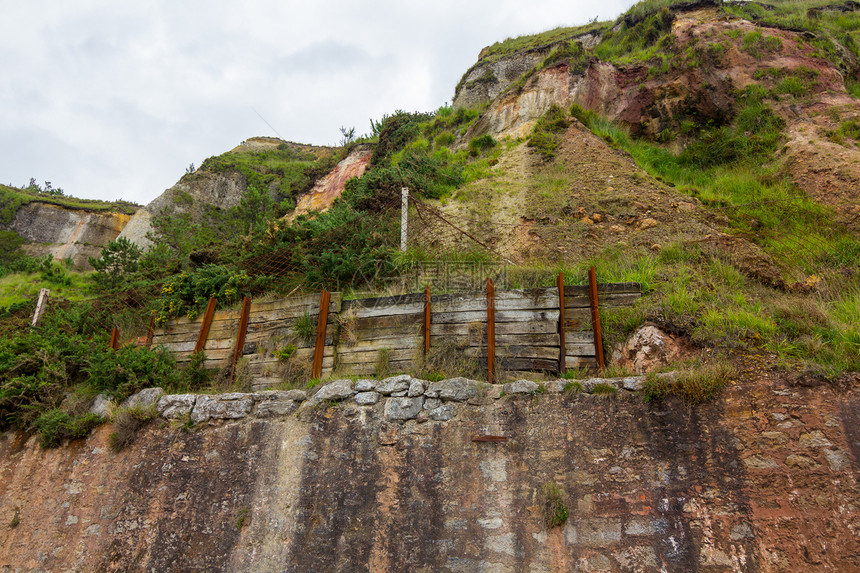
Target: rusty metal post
491	330
240	336
319	348
204	326
114	338
595	318
426	320
150	332
561	325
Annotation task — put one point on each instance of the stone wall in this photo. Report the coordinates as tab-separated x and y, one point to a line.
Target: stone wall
763	479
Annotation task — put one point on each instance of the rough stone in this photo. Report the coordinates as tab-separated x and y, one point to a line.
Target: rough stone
209	407
272	408
416	388
403	408
399	394
800	461
144	399
432	403
335	391
443	413
647	349
228	396
176	405
760	463
594	531
366	398
521	387
365	385
838	460
102	406
457	389
555	386
741	531
814	439
394	384
646	526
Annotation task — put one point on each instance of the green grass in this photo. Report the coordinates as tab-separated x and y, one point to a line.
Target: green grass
20	287
694	384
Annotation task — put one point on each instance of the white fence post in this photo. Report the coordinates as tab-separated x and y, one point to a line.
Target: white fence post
404	215
40	306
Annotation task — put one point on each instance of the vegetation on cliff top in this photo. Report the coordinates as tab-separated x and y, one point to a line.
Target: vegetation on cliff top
13	198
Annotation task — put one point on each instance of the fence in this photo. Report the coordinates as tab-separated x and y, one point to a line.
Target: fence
542	329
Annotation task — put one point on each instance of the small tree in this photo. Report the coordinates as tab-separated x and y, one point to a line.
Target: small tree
118	258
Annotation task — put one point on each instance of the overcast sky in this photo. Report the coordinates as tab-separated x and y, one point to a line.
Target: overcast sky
112	100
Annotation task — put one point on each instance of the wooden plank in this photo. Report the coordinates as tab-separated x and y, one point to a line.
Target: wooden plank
359	324
390	342
530	364
580	349
464	329
595	317
544	352
491	329
609	299
561	322
114	339
322	320
580	361
371	356
550	316
411	330
369	369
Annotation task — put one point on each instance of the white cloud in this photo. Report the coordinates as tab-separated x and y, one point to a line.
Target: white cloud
113	100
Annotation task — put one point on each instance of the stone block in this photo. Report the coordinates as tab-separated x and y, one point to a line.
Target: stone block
211	407
800	461
365	385
333	391
646	526
456	389
443	413
102	406
432	403
394	384
760	463
416	388
144	399
366	398
176	405
272	408
838	460
555	386
814	439
594	531
403	408
521	387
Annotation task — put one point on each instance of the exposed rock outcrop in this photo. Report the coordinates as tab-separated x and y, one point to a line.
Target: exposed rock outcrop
330	187
646	487
66	233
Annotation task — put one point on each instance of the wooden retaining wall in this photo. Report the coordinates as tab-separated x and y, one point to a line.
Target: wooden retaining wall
362	337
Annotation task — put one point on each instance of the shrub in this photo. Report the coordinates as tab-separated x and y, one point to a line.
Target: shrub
305	327
126	423
482	143
554	510
55	425
118	259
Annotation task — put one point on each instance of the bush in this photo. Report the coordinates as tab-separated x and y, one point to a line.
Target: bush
554	510
126	423
55	425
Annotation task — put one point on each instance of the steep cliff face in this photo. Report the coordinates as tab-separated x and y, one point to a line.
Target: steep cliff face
66	233
764	479
713	59
329	188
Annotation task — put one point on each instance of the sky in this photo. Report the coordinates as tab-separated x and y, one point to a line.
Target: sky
114	100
